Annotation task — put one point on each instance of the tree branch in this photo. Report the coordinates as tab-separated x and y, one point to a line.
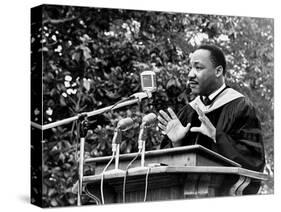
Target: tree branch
58	21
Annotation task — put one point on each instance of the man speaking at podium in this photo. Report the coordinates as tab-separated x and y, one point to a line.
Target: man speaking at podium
219	118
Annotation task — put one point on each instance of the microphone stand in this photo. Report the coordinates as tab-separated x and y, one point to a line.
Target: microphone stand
142	144
116	152
146	122
83	122
141	147
88	114
83	127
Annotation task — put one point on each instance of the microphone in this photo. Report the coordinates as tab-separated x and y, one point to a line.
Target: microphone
148	85
147	121
125	124
122	125
148	81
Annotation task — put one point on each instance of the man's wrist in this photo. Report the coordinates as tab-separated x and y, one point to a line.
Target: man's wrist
177	143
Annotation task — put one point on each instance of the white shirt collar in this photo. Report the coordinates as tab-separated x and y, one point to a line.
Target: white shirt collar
226	96
212	95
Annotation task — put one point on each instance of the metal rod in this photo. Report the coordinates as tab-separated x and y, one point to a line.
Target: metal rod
81	169
89	114
117	156
38	126
143	153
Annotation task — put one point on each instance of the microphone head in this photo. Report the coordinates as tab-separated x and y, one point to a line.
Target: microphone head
148	81
125	124
149	119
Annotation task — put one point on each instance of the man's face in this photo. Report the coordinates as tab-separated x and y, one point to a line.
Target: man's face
202	76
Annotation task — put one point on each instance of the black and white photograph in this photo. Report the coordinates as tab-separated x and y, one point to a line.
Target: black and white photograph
131	106
140	105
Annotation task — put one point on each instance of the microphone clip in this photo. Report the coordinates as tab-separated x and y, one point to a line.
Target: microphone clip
84	124
116	139
141	95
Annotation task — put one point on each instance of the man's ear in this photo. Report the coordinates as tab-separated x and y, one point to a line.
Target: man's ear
219	71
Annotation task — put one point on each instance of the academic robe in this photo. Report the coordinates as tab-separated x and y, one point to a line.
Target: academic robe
238	129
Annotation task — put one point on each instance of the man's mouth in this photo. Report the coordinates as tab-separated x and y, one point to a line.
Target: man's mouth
192	83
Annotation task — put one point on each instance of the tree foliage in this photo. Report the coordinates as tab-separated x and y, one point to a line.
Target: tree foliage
92	58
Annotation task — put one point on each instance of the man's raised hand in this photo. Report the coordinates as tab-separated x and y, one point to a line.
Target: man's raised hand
171	126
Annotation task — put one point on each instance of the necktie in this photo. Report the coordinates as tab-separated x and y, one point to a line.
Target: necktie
206	101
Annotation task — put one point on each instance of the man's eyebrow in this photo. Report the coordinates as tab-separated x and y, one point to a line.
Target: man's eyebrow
195	62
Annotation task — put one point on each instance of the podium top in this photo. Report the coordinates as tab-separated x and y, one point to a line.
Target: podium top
197	149
172	170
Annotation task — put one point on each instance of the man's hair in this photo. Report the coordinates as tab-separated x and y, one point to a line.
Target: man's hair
217	55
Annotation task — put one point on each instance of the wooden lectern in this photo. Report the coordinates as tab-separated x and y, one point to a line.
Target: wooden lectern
176	173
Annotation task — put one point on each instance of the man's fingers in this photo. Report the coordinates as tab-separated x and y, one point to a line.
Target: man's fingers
163	132
161	120
172	113
162	129
161	126
165	115
195	129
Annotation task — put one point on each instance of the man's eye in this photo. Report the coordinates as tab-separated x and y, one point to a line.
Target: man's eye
199	67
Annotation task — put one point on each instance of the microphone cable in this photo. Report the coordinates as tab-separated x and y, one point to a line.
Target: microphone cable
146	184
126	173
89	194
102	176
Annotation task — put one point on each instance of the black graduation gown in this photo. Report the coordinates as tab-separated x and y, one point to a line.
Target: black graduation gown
238	133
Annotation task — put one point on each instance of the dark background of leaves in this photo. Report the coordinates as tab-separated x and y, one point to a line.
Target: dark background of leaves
92	58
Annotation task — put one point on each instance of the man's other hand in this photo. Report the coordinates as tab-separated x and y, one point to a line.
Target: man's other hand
206	128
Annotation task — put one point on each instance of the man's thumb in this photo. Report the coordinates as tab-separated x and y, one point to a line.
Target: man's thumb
187	126
195	129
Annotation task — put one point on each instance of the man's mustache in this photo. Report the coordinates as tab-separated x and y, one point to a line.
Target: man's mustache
192	81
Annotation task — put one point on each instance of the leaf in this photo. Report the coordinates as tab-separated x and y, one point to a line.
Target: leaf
54	203
51	192
71	201
86	52
62	101
62	157
76	56
87	84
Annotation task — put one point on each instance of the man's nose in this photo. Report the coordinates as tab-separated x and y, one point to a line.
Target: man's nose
191	73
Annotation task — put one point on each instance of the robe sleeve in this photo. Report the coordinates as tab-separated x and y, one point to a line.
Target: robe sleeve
239	135
166	143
